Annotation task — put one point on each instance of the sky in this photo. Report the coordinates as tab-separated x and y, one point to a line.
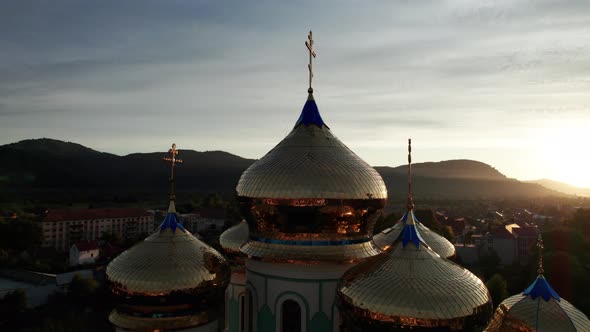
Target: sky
502	82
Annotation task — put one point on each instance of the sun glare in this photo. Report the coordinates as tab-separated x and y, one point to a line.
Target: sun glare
563	155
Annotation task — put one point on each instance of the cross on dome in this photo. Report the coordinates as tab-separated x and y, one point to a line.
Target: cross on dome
173	160
312	54
540	246
410	198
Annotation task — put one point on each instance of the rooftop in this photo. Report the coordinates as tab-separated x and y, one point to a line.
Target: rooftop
90	214
86	245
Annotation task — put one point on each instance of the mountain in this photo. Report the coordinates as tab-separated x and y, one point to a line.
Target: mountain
563	187
64	170
46	165
459	179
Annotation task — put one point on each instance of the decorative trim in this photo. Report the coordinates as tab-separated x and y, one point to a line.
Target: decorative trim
292	279
312	243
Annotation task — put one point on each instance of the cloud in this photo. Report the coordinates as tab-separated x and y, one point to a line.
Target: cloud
220	73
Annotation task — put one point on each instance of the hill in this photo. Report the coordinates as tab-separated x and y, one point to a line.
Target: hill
563	187
51	168
44	166
459	179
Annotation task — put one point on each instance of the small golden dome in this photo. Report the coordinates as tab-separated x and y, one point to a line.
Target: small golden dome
436	242
169	260
234	237
150	324
412	286
538	308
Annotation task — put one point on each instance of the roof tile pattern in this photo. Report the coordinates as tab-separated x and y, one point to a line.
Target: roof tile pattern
166	261
311	163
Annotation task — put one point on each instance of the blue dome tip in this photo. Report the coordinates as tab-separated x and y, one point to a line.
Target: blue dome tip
171	222
410	233
541	287
310	115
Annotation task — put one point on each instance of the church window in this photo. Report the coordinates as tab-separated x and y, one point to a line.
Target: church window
291	316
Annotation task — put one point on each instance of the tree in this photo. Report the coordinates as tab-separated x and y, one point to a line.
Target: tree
113	238
13	302
447	233
489	262
20	234
82	287
498	288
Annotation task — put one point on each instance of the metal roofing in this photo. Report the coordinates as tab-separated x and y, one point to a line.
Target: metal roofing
311	163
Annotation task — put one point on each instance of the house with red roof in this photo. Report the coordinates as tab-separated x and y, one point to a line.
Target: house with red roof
512	242
84	252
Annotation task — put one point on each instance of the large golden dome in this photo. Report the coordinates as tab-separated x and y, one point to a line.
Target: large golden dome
311	163
538	308
311	197
436	242
410	286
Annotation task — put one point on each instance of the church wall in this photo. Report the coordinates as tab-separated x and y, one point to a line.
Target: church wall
313	287
235	289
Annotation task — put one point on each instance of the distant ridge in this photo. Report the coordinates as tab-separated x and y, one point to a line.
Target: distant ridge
458	168
563	187
44	166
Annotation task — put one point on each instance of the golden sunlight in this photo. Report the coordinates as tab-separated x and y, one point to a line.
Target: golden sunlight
562	154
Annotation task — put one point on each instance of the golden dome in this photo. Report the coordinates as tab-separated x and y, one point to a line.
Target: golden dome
538	308
169	260
311	197
412	286
439	244
150	324
234	237
312	252
311	163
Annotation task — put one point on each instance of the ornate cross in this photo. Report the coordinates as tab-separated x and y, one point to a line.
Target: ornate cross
309	45
410	198
540	246
173	160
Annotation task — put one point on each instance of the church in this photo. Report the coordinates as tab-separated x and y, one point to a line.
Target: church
305	258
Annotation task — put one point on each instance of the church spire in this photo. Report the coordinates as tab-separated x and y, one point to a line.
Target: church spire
541	287
173	160
410	232
540	246
410	201
310	114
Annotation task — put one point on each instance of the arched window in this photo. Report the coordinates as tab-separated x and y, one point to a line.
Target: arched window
242	304
291	316
249	312
245	308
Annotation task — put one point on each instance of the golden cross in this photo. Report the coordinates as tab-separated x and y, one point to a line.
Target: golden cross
173	160
410	198
540	246
309	45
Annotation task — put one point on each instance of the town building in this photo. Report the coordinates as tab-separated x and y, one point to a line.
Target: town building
512	243
63	227
84	252
205	220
